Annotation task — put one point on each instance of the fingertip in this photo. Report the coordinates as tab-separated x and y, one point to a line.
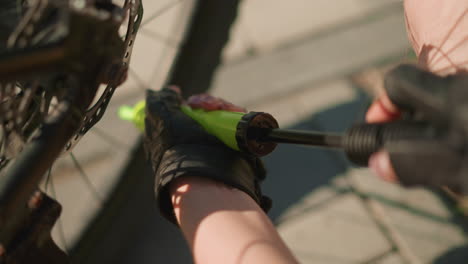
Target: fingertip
382	110
381	165
388	105
375	114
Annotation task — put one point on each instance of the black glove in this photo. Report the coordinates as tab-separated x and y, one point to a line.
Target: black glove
437	156
178	146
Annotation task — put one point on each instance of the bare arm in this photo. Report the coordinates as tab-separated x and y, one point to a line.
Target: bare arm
225	225
438	31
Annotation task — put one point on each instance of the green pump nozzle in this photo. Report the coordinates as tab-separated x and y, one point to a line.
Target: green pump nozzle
135	114
219	123
222	124
232	128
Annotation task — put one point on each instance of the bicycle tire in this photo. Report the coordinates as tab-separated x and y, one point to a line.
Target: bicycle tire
200	54
193	70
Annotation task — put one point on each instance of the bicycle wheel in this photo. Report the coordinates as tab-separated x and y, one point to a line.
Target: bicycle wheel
203	31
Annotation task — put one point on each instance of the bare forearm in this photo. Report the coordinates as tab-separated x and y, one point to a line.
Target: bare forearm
438	32
225	225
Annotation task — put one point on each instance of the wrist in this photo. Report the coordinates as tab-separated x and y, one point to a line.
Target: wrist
216	163
195	198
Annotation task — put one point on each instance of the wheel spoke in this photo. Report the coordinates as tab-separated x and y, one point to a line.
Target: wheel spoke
110	139
47	180
158	36
159	12
164	55
85	178
141	84
159	64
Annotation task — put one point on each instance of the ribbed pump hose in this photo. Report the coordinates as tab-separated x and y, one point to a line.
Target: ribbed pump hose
361	141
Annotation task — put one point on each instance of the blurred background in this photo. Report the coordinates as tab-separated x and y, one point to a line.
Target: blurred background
313	65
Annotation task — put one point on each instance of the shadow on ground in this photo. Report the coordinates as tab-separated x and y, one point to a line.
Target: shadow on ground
453	256
294	171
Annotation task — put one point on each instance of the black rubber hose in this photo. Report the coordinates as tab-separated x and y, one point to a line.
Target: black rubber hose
363	140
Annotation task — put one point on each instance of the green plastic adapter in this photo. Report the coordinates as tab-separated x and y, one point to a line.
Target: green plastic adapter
221	124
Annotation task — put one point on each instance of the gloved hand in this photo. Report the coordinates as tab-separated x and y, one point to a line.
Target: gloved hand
437	156
178	146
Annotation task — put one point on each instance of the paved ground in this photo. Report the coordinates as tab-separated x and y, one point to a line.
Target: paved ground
309	64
